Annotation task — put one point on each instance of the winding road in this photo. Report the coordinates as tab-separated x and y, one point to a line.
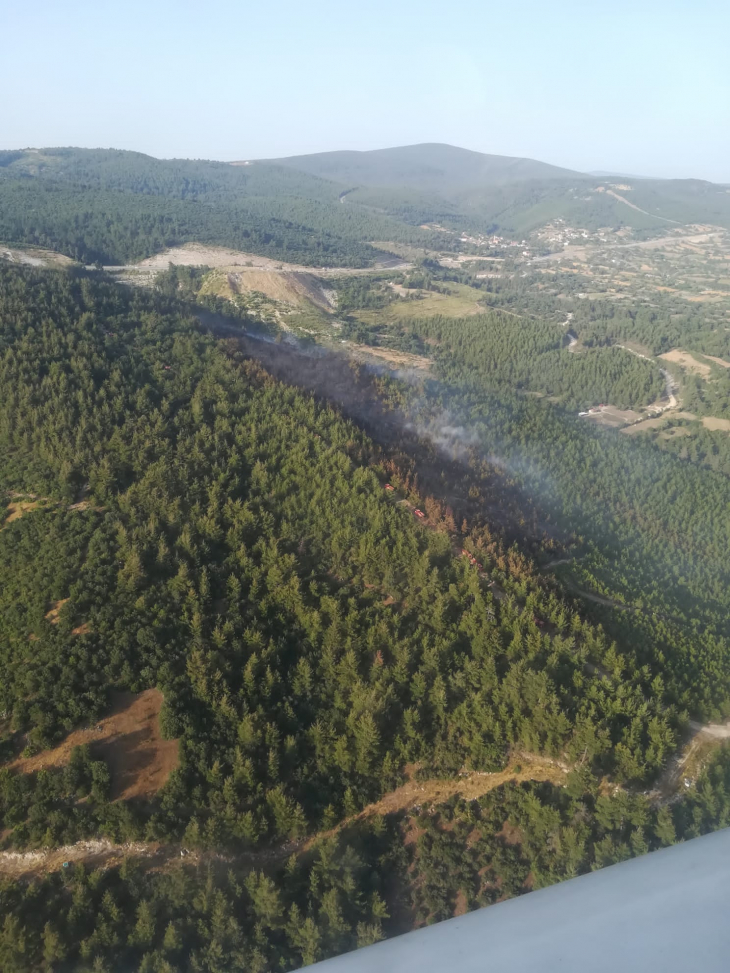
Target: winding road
410	796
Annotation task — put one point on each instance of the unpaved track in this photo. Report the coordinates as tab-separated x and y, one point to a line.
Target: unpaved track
414	793
715	731
200	255
686	765
622	606
627	202
670	385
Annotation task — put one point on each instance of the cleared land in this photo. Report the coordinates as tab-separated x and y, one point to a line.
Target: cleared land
460	301
647	424
712	422
718	361
129	740
469	785
286	287
34	257
400	359
201	255
687	361
55	610
16	509
613	417
96	853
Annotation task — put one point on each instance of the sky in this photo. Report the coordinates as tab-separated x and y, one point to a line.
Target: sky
638	87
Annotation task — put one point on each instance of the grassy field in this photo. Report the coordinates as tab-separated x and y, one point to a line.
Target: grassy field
460	301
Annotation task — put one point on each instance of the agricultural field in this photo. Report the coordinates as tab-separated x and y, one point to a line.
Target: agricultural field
455	301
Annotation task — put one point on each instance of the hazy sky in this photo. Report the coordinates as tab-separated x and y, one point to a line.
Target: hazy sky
641	87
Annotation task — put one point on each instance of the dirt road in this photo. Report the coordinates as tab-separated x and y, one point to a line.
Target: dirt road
201	255
622	606
670	385
683	770
716	731
627	202
409	796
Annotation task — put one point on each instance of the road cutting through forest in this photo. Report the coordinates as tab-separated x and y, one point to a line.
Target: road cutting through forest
203	255
413	795
683	769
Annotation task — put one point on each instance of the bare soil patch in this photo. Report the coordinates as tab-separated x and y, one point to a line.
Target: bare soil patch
54	611
510	834
287	287
657	422
201	255
638	427
718	361
461	906
129	739
97	853
712	422
686	766
413	834
16	509
402	359
676	432
471	785
34	257
613	417
683	358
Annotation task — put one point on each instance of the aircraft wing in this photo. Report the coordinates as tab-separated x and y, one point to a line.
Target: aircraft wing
667	911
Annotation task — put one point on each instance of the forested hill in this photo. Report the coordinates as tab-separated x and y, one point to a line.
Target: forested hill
238	551
112	206
180	520
431	167
470	190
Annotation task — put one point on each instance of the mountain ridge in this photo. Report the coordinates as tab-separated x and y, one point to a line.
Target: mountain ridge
430	166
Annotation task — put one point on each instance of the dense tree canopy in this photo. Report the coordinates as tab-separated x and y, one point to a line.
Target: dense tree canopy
237	550
177	518
114	207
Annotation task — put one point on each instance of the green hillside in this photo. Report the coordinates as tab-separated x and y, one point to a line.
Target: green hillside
431	167
114	207
467	190
179	522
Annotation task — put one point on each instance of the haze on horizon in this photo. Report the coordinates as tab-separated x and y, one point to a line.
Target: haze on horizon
635	89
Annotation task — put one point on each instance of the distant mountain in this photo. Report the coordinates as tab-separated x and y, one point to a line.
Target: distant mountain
470	191
332	208
609	174
430	167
